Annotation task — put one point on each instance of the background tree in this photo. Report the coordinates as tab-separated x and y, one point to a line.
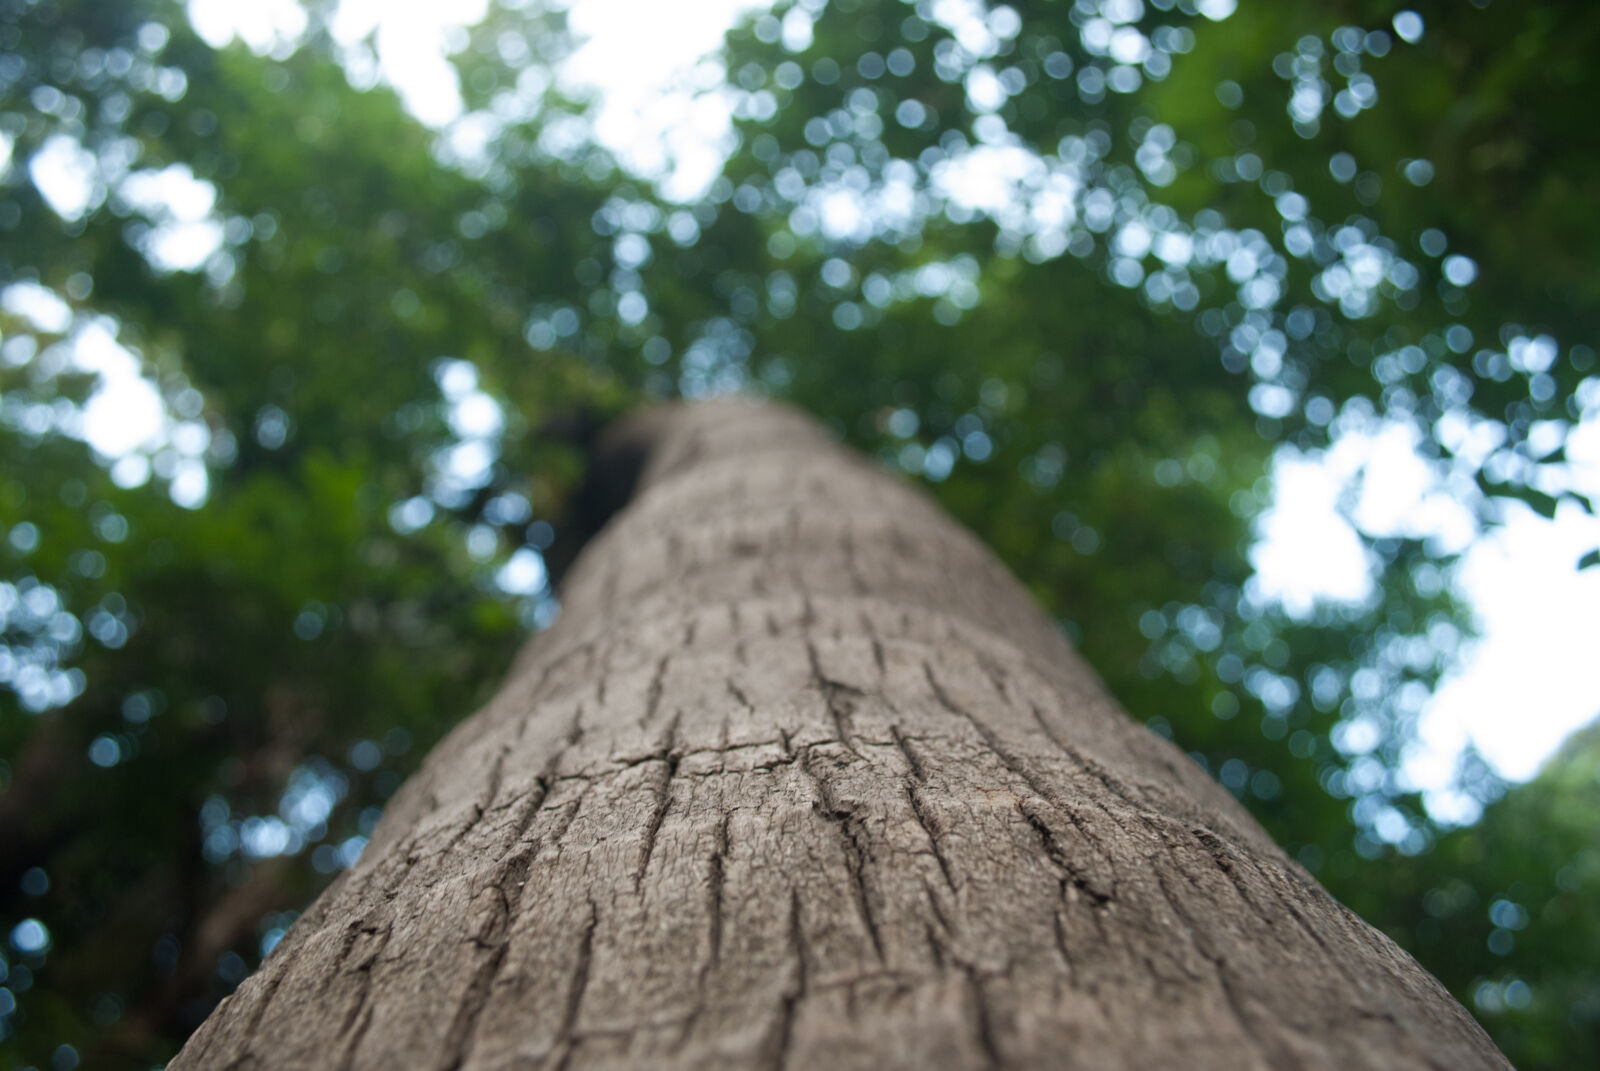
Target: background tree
226	644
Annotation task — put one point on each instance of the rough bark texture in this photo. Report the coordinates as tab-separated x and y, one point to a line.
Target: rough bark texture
802	778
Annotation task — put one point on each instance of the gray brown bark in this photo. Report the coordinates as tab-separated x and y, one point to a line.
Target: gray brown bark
802	778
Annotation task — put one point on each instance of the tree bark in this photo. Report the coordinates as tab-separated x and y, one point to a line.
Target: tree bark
802	777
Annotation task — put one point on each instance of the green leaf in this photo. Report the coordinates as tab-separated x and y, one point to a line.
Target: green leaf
1542	504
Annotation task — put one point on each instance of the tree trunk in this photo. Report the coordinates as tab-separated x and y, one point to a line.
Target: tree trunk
803	778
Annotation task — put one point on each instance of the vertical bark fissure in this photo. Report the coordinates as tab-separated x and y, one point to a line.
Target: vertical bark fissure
996	676
854	847
714	886
782	1049
935	945
858	582
348	1057
880	657
1113	785
566	1037
915	799
669	760
546	777
990	738
913	764
1063	948
938	910
1273	1056
839	697
739	696
984	1030
1062	859
496	773
652	701
458	1040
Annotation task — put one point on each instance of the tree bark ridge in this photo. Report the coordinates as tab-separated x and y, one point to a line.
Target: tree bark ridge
802	777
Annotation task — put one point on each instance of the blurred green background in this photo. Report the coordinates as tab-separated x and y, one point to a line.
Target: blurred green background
297	393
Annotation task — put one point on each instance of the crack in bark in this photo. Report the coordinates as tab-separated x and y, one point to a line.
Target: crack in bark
359	1017
663	801
913	762
1116	786
991	669
348	1059
988	735
1272	882
496	772
463	1026
935	947
580	973
1057	855
508	886
984	1025
856	853
466	829
856	862
933	841
839	697
541	792
652	700
1063	949
1093	840
878	655
858	582
1084	881
919	775
567	1037
1217	849
545	779
495	939
1282	1057
714	887
784	1036
738	694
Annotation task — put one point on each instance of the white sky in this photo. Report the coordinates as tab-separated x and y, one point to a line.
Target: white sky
1522	687
642	56
1528	679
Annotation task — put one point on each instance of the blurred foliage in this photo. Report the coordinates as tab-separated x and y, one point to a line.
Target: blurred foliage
1503	911
1082	268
